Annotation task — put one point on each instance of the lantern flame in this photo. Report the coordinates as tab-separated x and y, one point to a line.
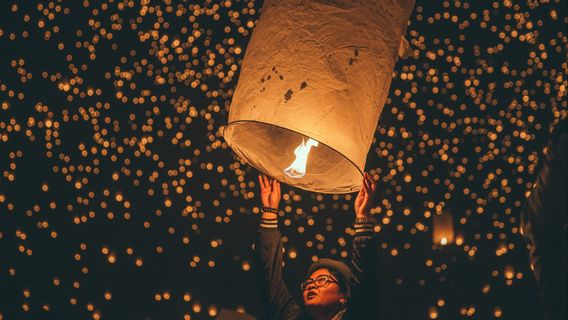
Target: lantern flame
298	168
444	241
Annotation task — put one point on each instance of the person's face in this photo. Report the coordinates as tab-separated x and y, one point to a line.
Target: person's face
327	296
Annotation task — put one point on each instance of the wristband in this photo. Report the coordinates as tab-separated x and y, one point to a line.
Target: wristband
268	209
269	223
364	226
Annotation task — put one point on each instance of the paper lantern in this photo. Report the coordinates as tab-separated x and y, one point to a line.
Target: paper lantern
312	86
443	229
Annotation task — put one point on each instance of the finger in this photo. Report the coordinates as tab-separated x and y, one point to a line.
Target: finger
369	189
278	187
367	193
372	182
372	192
261	182
364	203
266	182
363	190
366	185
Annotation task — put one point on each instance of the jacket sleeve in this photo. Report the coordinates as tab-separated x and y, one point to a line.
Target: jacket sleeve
279	303
543	221
364	300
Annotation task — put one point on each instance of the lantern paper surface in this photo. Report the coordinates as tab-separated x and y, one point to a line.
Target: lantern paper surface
316	70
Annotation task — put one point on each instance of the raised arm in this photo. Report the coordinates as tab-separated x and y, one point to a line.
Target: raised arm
364	299
279	303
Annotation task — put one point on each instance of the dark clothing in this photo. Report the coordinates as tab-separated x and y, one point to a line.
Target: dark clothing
544	224
364	300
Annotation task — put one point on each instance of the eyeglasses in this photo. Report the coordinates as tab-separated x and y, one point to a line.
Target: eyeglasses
320	281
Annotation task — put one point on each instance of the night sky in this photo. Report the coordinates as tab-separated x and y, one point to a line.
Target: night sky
119	198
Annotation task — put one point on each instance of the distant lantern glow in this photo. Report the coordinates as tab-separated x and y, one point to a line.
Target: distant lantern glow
443	229
321	75
298	168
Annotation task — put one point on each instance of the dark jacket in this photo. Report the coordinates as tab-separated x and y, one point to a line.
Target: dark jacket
544	225
364	300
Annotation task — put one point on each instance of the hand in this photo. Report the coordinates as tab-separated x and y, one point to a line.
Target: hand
269	191
365	199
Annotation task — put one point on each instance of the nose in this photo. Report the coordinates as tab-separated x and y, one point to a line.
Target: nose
310	286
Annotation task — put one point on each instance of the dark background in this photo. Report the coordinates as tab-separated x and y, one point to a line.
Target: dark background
94	178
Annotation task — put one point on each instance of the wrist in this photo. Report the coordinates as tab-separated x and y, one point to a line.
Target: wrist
269	218
269	215
363	216
365	219
269	212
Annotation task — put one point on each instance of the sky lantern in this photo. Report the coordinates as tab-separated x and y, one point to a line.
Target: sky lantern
443	228
313	83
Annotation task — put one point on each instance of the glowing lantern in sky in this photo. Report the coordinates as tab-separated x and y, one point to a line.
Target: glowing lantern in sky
316	71
443	228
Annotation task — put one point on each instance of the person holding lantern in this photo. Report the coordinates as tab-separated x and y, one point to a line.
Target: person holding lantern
544	225
332	290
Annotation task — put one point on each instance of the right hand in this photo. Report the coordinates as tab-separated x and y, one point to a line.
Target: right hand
269	191
365	199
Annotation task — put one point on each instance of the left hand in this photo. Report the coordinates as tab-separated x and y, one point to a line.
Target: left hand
269	191
365	198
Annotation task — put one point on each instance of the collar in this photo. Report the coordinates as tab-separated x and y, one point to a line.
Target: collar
339	315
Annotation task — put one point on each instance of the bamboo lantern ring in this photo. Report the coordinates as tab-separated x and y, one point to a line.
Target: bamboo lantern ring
313	83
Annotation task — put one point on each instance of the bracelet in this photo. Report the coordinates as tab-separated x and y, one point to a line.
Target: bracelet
268	209
269	223
365	220
364	226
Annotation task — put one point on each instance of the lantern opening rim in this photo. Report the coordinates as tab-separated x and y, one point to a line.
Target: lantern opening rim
236	122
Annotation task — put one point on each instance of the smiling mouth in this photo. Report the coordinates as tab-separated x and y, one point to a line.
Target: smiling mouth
310	295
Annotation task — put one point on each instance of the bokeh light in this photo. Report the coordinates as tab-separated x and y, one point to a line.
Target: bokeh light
119	197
